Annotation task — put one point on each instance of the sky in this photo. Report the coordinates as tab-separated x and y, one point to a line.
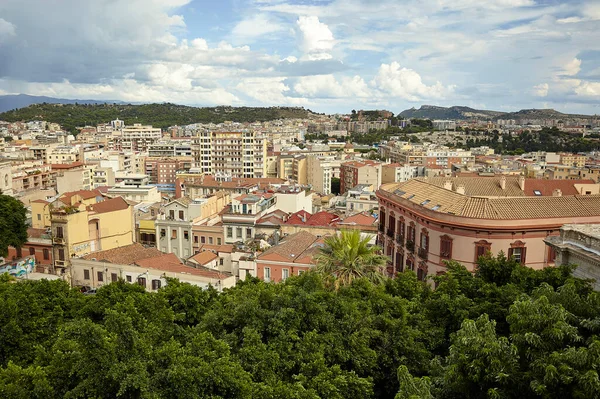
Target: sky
327	55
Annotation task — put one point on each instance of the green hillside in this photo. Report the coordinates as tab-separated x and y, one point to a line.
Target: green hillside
164	115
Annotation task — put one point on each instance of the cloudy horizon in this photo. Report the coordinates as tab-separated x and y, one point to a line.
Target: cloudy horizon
326	55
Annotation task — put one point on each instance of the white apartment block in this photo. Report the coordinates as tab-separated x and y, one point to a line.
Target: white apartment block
134	138
230	154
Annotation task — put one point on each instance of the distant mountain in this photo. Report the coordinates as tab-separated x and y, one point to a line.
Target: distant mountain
10	102
458	113
71	116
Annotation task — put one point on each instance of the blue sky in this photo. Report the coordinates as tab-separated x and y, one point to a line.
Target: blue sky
327	55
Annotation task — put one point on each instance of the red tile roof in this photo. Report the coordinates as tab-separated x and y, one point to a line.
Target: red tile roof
126	255
547	187
111	205
171	263
72	165
322	218
204	258
360	219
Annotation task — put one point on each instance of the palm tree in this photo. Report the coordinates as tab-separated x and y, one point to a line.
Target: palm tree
347	256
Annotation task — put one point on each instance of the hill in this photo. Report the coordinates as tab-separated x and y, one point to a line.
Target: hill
164	115
458	113
15	101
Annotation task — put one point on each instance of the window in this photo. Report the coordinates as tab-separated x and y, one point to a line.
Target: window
203	240
210	240
267	274
446	247
238	232
551	255
114	277
218	240
435	208
220	261
300	272
163	232
229	232
86	274
46	254
31	251
285	273
61	254
128	278
59	232
172	214
173	234
141	281
481	248
248	232
537	192
100	276
195	239
181	215
186	235
424	240
425	202
156	284
517	251
39	216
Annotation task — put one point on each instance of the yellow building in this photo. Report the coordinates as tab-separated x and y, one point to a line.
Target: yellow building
82	224
573	160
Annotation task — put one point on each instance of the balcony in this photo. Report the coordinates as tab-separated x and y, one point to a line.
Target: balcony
410	246
423	253
400	239
58	240
390	233
381	227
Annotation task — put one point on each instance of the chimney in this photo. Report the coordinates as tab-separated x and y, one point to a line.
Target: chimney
557	192
460	189
448	184
503	182
522	182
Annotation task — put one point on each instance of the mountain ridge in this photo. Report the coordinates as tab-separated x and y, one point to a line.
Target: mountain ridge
15	101
465	113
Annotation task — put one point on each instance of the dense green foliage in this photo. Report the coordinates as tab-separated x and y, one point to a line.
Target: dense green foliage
13	223
504	332
547	139
71	116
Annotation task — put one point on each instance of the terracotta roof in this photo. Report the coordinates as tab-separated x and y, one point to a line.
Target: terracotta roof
66	165
126	255
322	218
84	194
40	201
292	247
204	257
35	233
111	205
171	263
489	186
438	199
360	219
299	217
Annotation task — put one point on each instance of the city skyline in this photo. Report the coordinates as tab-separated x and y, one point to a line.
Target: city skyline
330	56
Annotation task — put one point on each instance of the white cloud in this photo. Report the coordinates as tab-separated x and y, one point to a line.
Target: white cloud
588	89
7	30
327	86
250	29
541	90
573	67
406	83
317	38
268	91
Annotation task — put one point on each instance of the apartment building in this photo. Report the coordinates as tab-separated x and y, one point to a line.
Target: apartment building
170	148
174	226
163	171
239	221
573	160
320	171
134	138
424	222
359	172
83	222
361	198
64	154
194	185
396	173
230	154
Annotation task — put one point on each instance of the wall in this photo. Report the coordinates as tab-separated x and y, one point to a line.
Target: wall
19	268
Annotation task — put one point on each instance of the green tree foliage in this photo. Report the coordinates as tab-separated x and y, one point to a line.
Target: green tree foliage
488	334
347	256
164	115
13	224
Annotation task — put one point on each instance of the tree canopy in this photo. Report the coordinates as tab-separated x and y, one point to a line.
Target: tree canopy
521	334
13	224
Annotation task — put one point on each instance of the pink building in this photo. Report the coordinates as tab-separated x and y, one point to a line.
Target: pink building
424	222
